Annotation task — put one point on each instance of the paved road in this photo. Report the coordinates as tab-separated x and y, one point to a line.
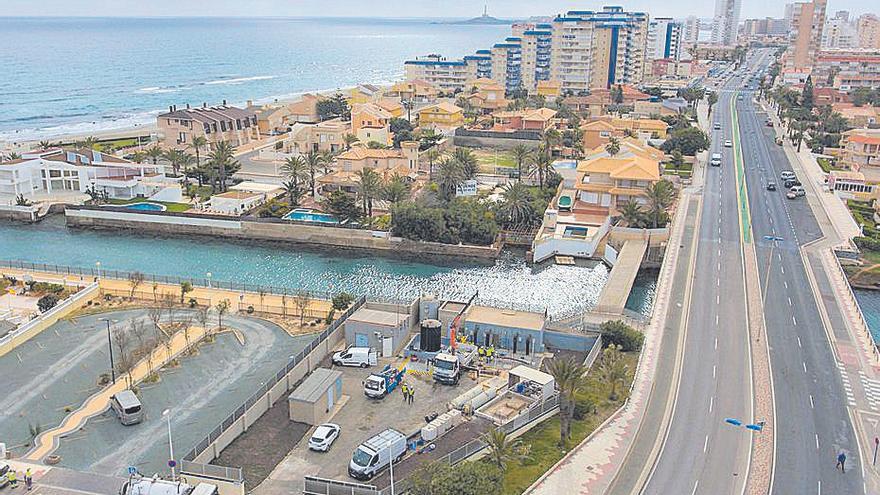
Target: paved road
813	424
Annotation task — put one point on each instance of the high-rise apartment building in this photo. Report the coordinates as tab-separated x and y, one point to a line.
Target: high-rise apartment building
664	39
768	26
807	24
726	21
446	75
507	63
598	49
868	29
691	29
839	33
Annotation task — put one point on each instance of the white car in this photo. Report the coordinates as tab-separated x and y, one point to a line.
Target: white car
4	471
324	436
728	144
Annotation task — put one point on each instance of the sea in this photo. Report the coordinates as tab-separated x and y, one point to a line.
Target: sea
64	76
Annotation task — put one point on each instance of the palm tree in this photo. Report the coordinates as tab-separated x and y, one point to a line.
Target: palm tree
570	377
13	156
222	159
551	139
432	155
294	191
632	213
90	142
660	196
296	171
327	158
449	177
396	189
502	449
313	161
613	369
467	161
44	145
613	146
154	153
371	185
713	99
541	163
516	205
139	157
198	142
174	157
349	139
521	154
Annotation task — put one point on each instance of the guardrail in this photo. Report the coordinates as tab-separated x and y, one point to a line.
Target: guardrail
211	471
92	273
265	388
862	322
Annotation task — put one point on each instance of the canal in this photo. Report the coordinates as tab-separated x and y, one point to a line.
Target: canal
510	281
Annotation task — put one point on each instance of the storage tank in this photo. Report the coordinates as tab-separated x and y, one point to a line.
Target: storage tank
429	307
430	335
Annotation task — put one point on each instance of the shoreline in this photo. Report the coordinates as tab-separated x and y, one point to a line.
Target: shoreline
151	128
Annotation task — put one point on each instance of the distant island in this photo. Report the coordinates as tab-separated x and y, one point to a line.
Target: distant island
484	19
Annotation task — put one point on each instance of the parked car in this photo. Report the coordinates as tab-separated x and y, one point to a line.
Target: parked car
717	126
376	454
324	436
4	470
796	192
786	174
771	186
127	407
788	184
355	356
728	144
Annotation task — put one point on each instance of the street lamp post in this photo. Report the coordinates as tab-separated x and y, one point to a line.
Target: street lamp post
167	415
110	346
98	268
391	467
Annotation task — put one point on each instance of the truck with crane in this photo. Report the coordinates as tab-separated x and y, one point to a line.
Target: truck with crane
380	384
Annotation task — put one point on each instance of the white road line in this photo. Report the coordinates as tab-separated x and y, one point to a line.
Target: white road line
716	320
789	301
718	299
719	251
717	282
782	268
716	344
713	373
719	266
696	484
805	366
817	441
779	256
711	403
706	444
793	321
820	487
799	342
812	405
786	283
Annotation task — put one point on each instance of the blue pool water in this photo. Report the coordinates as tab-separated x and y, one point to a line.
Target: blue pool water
565	164
311	216
145	207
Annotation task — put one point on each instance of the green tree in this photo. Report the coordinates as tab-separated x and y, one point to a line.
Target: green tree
432	155
342	300
349	139
467	162
616	332
294	191
469	221
342	206
466	478
185	288
154	153
503	450
333	107
396	189
428	138
223	163
712	100
418	222
613	146
515	208
541	166
660	195
689	141
296	171
47	302
521	154
198	144
313	160
449	176
370	187
613	369
807	94
632	213
570	377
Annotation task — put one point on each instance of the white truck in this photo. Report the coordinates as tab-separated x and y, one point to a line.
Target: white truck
355	356
376	454
448	367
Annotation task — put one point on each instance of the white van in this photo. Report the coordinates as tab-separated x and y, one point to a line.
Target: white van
377	453
127	407
355	356
715	161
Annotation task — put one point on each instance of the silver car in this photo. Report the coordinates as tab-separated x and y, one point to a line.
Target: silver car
324	436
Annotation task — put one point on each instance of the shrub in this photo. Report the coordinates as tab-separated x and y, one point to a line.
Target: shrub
342	300
619	333
47	302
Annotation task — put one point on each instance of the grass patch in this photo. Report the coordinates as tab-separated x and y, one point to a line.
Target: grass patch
544	438
827	164
487	160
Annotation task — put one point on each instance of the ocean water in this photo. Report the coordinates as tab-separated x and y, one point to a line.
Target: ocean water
560	290
81	75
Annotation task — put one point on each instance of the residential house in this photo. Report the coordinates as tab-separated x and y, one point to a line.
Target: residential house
865	116
443	116
236	126
235	202
320	137
391	105
371	123
589	105
416	90
606	182
72	171
386	162
524	120
487	95
631	94
849	184
271	119
599	131
659	108
305	110
549	89
860	151
363	93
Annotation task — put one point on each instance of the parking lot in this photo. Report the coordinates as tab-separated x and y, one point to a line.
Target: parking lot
361	418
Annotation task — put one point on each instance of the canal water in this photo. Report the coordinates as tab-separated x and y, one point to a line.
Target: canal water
510	281
869	301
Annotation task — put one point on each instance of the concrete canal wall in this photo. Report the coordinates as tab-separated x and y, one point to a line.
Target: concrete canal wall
276	231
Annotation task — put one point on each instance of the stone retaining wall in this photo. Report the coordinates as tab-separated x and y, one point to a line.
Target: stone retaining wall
294	233
26	214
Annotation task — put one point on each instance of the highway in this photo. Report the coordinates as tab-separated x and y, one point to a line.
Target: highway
812	421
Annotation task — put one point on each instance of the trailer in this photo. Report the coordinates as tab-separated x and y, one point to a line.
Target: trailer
380	384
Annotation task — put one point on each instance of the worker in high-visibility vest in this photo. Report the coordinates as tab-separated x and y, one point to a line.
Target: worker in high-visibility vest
11	478
482	353
490	353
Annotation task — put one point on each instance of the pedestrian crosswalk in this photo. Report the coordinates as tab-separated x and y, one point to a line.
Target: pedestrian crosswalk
847	386
872	390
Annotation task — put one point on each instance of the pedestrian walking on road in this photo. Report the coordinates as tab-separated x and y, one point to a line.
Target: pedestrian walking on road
28	479
841	462
412	393
404	391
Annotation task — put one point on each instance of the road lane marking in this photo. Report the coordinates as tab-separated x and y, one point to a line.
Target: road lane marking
711	403
696	484
713	373
805	366
706	444
717	282
716	342
786	283
716	320
799	342
718	299
812	405
789	301
782	268
817	441
793	321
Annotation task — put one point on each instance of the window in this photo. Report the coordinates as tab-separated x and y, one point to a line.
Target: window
207	128
222	126
238	124
181	138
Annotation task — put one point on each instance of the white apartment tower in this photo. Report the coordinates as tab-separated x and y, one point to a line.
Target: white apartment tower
664	39
726	21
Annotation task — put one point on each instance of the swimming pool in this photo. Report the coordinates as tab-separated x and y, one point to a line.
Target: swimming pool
565	164
145	207
305	215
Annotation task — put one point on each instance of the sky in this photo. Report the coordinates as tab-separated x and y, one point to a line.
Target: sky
391	8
